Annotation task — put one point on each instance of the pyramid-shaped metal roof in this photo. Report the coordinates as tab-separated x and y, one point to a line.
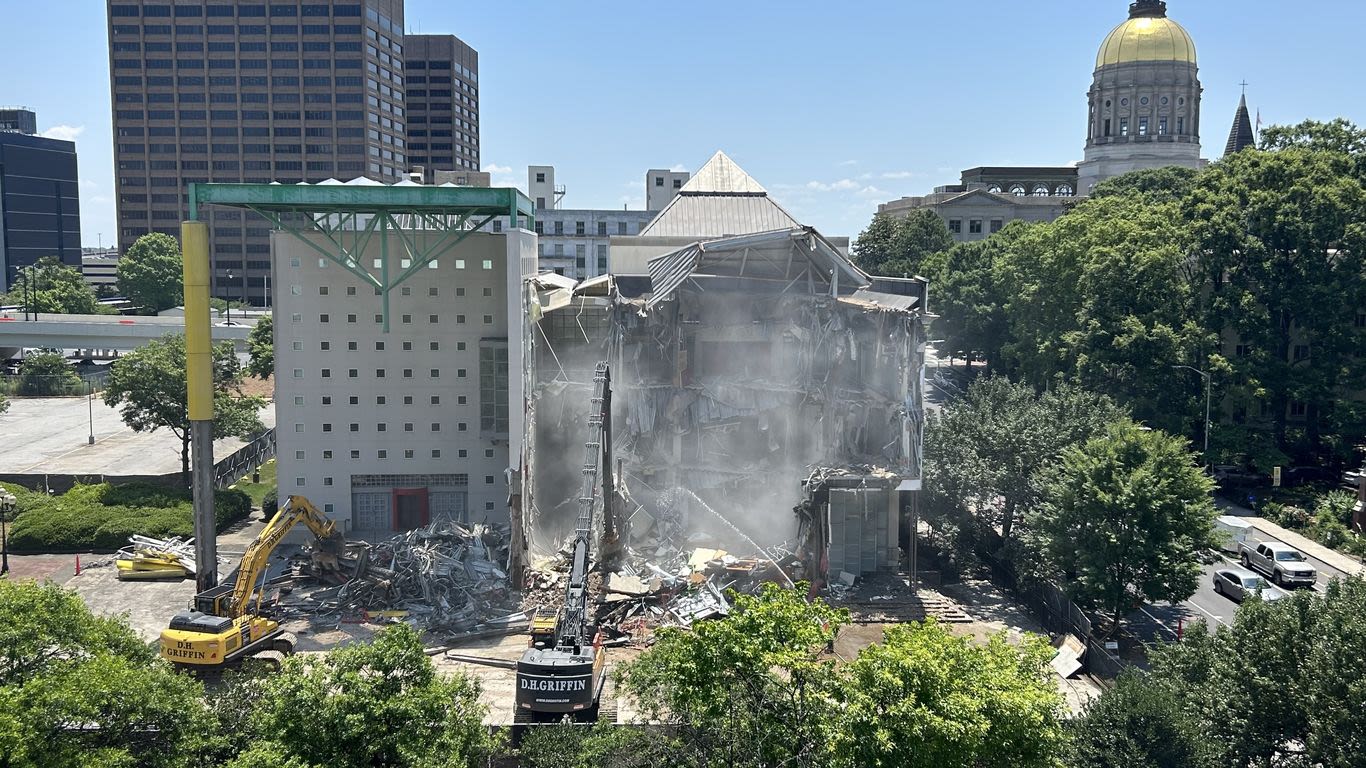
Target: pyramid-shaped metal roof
721	174
1240	137
720	200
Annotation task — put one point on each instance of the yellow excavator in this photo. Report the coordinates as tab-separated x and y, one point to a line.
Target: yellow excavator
224	626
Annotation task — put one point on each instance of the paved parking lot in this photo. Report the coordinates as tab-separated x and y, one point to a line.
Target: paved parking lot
51	435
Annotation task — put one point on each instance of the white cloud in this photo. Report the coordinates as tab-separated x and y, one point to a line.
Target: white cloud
495	168
63	132
843	185
679	168
898	174
848	162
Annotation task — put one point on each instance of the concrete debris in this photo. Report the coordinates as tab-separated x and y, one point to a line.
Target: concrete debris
443	578
147	558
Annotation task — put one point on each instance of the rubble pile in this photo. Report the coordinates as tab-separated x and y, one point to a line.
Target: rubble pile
443	578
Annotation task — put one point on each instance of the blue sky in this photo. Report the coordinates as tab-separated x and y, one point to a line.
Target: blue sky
834	107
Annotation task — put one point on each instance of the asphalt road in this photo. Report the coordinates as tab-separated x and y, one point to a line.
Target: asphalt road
1162	621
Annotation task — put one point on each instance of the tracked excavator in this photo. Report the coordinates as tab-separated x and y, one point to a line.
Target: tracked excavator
563	673
224	627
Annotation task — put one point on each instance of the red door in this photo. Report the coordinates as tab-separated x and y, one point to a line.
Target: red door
410	508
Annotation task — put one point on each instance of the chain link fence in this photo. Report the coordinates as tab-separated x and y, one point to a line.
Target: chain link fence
54	385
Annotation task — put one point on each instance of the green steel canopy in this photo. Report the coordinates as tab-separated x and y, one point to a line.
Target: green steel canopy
349	214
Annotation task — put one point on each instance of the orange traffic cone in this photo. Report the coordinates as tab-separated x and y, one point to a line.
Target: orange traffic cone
78	565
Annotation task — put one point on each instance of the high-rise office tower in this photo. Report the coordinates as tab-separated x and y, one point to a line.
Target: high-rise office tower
213	90
40	213
442	77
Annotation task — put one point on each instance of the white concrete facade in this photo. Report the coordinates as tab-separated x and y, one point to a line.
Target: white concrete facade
661	186
579	243
387	430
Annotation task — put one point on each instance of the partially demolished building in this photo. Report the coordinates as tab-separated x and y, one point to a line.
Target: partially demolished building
768	393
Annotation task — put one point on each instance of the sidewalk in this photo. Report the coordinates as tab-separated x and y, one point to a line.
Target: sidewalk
1348	565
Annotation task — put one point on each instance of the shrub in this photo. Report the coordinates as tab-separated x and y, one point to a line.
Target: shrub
270	503
100	518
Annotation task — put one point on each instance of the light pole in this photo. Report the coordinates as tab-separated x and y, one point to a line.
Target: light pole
7	506
1204	375
90	407
229	300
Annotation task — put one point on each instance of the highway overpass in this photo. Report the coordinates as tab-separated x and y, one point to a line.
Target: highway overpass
102	332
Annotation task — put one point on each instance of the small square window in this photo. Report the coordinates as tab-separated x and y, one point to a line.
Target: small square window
461	427
488	506
322	318
381	427
436	399
407	373
431	291
379	373
379	346
407	346
298	373
379	318
296	318
488	453
407	318
322	290
488	264
327	481
459	263
324	345
352	373
350	290
436	373
488	479
436	426
327	399
462	453
328	509
382	454
351	345
298	455
461	400
435	346
355	454
431	318
407	426
406	290
327	373
297	346
299	481
296	290
488	291
459	373
407	453
459	346
350	318
436	453
298	399
380	400
459	291
460	319
327	427
355	427
488	319
407	399
353	400
298	427
327	454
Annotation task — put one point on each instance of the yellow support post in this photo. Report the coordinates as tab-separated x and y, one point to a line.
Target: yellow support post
194	248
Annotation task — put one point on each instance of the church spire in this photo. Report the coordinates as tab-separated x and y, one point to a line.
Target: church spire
1241	136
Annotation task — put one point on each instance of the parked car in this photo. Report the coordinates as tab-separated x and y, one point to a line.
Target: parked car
1239	584
1286	565
1235	476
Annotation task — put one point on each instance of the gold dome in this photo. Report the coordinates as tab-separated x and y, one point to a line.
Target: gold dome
1147	38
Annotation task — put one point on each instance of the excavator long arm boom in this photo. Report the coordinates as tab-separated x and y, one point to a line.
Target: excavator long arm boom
296	509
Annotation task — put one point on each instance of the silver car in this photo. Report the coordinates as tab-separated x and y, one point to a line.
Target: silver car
1239	584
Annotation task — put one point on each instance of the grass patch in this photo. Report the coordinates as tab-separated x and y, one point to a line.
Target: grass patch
258	491
100	518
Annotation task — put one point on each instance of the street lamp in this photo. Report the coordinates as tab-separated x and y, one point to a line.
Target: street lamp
229	300
1204	375
7	506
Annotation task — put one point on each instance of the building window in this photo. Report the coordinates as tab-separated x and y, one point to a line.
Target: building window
493	388
488	319
1124	126
298	399
298	373
327	454
996	225
326	373
436	453
354	427
327	427
298	455
436	399
1107	126
956	226
975	226
381	427
1017	190
407	453
382	454
488	453
1065	190
462	453
327	481
407	426
1180	126
436	373
1040	190
436	426
299	481
327	399
1142	126
355	454
1162	126
488	479
351	345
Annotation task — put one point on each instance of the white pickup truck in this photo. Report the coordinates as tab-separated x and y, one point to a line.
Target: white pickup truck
1285	565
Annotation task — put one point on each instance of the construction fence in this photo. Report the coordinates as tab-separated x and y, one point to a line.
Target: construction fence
250	456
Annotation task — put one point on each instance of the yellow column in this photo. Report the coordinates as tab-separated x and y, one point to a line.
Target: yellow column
194	248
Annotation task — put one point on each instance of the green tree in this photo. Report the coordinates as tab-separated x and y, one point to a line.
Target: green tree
970	302
150	274
1158	185
986	451
51	287
1281	238
4	403
1124	519
751	690
924	698
1339	136
376	704
78	690
47	373
604	745
261	347
896	246
1103	297
1139	723
150	385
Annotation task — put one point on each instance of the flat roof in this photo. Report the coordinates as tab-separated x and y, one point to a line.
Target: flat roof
365	196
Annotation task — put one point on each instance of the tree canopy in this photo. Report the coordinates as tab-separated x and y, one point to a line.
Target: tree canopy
150	386
51	287
1124	519
47	373
261	348
150	274
903	246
